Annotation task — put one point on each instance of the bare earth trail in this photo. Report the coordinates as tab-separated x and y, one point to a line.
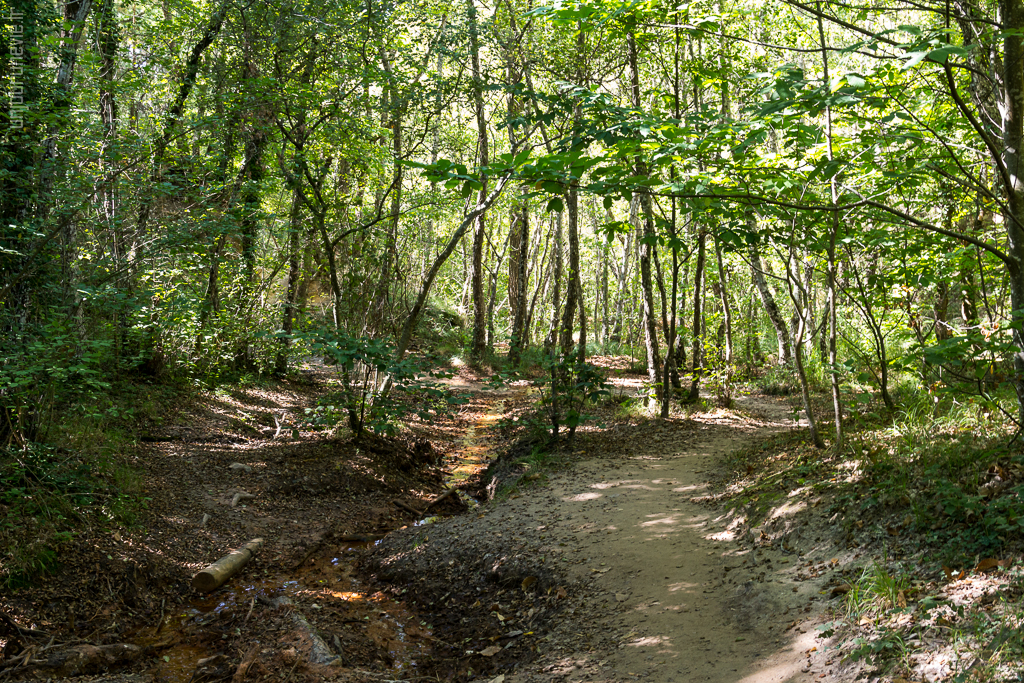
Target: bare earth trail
622	566
665	586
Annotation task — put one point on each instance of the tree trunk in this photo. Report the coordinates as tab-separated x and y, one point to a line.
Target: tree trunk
833	232
723	287
698	319
556	288
572	288
292	285
479	344
647	243
768	299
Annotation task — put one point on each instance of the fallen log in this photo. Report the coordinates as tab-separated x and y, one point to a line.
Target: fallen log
223	569
407	508
82	659
441	498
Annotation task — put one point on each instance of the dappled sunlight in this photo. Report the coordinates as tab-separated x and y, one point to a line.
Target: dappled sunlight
613	484
671	519
788	509
682	586
581	497
786	663
690	488
649	641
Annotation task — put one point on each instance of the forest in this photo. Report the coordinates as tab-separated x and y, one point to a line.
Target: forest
821	201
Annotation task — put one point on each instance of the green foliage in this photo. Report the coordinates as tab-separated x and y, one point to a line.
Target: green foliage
566	387
877	590
47	494
778	381
364	364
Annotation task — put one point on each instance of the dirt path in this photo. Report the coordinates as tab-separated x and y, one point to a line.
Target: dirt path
618	567
658	583
686	593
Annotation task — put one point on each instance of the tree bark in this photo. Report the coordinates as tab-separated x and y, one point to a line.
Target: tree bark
646	243
833	329
768	299
479	344
698	318
723	291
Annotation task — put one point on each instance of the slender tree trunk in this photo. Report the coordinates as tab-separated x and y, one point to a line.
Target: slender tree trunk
173	116
792	283
543	269
837	404
292	286
647	243
768	300
602	286
479	346
492	298
726	306
572	288
405	335
698	318
622	287
556	288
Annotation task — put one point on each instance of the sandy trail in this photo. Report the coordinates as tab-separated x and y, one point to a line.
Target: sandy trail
677	590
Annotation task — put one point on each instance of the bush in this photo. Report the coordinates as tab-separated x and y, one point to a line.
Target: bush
365	363
566	387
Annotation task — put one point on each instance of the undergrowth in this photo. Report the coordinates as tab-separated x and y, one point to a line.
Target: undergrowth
937	490
78	478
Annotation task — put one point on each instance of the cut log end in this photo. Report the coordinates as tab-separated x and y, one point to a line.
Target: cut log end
219	572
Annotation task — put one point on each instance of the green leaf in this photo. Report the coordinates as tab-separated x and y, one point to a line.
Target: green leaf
945	52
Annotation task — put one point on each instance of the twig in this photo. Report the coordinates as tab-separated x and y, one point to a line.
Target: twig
251	606
20	629
289	676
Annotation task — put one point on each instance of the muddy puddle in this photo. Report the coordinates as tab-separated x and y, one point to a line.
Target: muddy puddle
321	619
316	618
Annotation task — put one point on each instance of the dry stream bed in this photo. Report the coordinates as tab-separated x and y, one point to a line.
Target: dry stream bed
618	567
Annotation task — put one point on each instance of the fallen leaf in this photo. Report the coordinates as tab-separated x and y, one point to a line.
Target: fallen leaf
561	593
991	563
491	651
498	679
528	583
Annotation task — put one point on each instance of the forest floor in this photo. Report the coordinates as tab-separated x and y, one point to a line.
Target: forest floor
614	560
